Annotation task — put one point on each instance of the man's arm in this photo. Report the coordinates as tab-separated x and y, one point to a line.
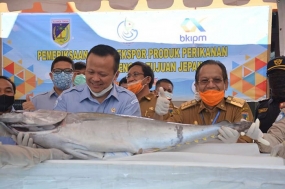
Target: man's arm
133	107
275	135
60	103
21	156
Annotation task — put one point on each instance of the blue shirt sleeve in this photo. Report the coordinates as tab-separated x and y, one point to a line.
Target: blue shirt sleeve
133	107
60	103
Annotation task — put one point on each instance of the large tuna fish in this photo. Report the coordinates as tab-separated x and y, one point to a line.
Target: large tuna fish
89	135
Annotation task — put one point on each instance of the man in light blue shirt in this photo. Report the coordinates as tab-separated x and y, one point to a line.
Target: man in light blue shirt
62	76
45	100
100	94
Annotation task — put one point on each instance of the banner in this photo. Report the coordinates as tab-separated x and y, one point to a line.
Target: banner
173	43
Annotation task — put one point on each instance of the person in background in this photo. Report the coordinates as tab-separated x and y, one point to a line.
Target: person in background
79	68
211	81
79	71
62	76
100	94
268	109
7	94
168	87
20	155
7	98
123	82
140	79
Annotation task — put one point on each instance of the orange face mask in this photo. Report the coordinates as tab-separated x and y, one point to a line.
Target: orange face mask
136	86
212	97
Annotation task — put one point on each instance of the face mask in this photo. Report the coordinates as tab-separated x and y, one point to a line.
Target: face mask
167	94
6	102
212	97
63	80
79	79
277	85
136	86
104	91
197	96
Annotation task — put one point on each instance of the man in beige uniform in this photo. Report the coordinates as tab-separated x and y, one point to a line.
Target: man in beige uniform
140	79
167	86
211	81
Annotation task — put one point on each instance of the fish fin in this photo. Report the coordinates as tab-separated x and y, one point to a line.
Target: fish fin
196	141
187	142
205	138
83	154
213	136
90	154
79	151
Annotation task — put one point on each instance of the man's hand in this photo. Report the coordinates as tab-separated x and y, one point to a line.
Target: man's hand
162	103
256	134
23	139
28	105
228	135
278	150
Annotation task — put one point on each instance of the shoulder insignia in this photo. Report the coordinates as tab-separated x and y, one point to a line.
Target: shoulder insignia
43	93
188	104
235	101
262	110
264	100
149	96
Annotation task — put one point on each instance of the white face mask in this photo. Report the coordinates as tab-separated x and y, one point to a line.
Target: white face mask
104	91
167	94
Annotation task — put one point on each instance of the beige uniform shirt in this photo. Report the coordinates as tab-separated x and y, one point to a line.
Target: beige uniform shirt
276	133
231	109
195	112
148	103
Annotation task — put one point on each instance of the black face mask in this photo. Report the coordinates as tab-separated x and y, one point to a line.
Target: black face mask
277	85
6	102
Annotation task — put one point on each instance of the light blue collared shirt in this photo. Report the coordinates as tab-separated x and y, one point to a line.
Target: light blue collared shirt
45	100
7	139
79	99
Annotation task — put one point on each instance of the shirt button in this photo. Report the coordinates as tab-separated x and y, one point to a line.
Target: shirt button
211	120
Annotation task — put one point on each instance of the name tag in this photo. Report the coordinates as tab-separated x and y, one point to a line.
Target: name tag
261	110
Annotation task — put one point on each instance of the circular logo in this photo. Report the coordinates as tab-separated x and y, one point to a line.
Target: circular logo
126	30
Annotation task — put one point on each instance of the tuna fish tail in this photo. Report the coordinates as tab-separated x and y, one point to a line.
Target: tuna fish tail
238	126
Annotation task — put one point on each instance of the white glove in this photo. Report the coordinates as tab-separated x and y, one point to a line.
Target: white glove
59	155
278	150
256	134
23	139
228	135
162	103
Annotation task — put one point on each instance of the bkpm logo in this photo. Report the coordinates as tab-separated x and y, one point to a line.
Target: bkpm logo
192	25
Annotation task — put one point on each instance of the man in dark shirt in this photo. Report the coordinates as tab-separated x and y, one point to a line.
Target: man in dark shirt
268	109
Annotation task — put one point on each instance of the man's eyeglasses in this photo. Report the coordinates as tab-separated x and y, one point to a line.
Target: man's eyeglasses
134	75
58	71
207	81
